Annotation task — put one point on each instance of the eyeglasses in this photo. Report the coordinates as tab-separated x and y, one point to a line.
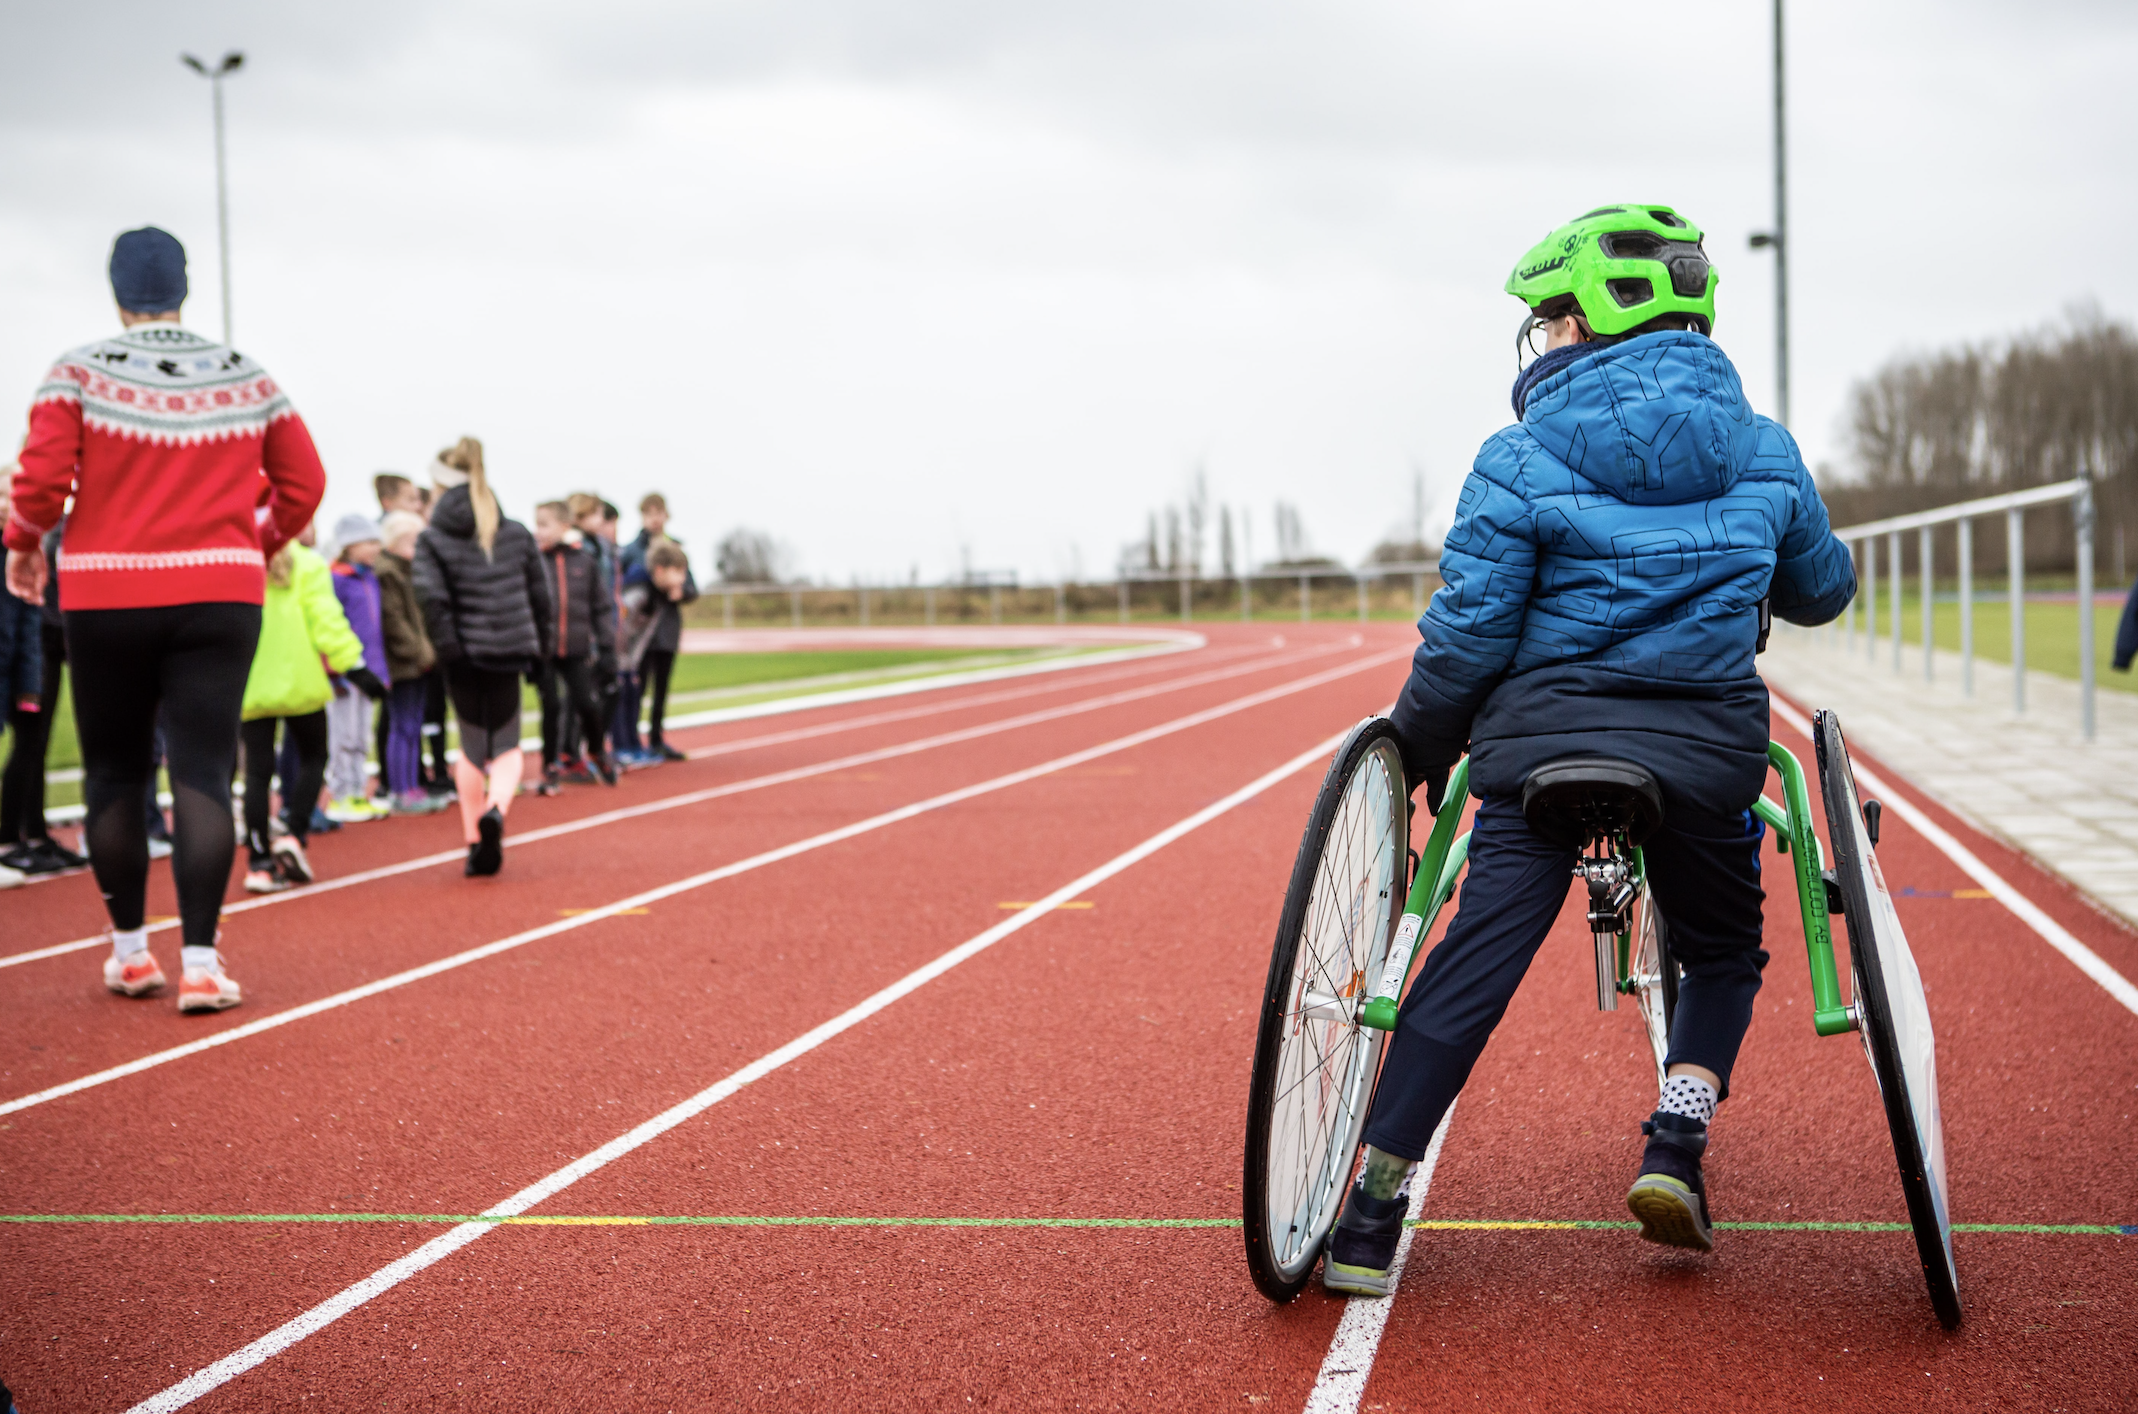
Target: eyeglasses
1535	331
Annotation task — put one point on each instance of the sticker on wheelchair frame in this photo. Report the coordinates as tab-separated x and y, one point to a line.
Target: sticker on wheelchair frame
1893	1017
1399	953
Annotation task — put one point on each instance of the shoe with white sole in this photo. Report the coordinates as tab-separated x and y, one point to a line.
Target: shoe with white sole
12	878
289	852
1670	1196
137	976
208	989
267	877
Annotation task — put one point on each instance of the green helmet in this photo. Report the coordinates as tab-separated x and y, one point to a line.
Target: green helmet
1623	266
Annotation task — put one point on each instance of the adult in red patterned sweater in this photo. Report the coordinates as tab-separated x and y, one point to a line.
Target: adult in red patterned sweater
188	468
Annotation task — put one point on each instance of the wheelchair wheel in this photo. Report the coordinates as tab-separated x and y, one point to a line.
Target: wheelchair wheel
1655	977
1314	1064
1893	1018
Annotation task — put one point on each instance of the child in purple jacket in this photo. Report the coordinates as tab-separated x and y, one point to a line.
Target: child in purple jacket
349	714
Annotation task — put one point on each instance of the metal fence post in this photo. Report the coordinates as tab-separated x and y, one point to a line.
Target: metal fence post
1923	552
1362	598
1869	585
1964	532
1894	588
2082	523
1849	642
2015	541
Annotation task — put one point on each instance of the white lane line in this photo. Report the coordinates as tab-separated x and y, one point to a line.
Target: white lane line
698	797
386	1278
2055	934
1349	1363
655	895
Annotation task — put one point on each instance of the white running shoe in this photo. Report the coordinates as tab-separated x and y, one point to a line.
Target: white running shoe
295	867
136	977
12	878
208	989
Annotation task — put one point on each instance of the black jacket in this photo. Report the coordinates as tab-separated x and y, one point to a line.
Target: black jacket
495	611
586	615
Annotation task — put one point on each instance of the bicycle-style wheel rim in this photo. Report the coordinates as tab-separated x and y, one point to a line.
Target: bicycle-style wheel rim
1315	1065
1654	992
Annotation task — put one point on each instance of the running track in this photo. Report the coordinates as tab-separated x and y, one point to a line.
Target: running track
1086	1062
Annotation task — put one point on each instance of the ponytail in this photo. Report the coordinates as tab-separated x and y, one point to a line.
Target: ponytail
467	456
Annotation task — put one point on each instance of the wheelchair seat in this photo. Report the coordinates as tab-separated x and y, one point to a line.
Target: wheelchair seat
1577	798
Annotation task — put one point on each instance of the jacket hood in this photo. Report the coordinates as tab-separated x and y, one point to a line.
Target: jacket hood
454	514
1657	420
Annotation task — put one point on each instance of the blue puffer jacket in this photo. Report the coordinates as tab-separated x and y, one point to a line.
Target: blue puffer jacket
1603	579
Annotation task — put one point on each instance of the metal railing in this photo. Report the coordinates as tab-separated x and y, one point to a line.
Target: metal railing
864	604
2013	506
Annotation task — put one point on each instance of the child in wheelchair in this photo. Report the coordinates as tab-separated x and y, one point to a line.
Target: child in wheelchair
1603	587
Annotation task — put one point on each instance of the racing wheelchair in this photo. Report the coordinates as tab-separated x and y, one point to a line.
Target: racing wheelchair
1346	949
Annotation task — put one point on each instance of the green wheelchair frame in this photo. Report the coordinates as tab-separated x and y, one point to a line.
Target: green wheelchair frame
1440	864
1343	960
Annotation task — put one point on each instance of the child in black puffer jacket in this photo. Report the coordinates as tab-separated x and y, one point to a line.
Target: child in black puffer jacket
486	605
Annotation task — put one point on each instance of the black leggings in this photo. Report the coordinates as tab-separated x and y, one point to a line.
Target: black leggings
300	788
567	688
189	661
22	788
658	667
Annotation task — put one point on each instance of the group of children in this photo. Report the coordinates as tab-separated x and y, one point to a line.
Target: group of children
344	633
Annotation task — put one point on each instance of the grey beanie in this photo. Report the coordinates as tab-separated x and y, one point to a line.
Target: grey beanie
148	271
354	530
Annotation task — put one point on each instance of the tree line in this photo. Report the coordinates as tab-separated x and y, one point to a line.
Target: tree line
1931	429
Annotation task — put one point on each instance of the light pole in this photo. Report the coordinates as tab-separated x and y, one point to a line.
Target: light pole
1779	236
232	62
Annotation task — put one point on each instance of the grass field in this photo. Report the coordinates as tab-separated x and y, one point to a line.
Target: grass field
2052	631
699	679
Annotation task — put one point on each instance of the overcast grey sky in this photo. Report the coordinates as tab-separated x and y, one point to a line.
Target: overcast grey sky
901	282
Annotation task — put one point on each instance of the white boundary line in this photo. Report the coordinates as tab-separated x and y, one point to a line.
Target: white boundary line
2055	934
803	702
228	1368
697	797
654	895
1349	1363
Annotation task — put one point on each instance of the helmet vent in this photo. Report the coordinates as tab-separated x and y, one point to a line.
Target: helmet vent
1600	211
1668	219
1632	245
1629	293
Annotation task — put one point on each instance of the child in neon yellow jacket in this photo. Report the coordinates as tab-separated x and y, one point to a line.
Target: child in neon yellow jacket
303	636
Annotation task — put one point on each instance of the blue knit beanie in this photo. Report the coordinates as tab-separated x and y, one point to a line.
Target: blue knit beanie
148	271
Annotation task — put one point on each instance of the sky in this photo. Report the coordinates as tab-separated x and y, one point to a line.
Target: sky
982	283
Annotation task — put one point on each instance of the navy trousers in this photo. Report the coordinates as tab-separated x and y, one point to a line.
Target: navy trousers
1703	875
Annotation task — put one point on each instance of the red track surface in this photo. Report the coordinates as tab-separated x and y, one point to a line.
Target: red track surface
1092	1065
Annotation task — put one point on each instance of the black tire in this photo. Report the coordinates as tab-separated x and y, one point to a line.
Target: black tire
1302	1139
1890	1007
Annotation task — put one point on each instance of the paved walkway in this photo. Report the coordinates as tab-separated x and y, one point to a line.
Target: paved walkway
2031	780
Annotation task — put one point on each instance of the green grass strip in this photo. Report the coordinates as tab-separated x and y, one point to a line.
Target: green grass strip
756	1220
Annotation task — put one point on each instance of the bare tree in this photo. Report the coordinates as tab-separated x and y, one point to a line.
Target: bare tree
746	556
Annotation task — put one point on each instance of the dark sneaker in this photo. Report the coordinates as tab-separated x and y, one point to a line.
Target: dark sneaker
52	856
666	752
1670	1196
1361	1255
487	855
605	766
552	782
